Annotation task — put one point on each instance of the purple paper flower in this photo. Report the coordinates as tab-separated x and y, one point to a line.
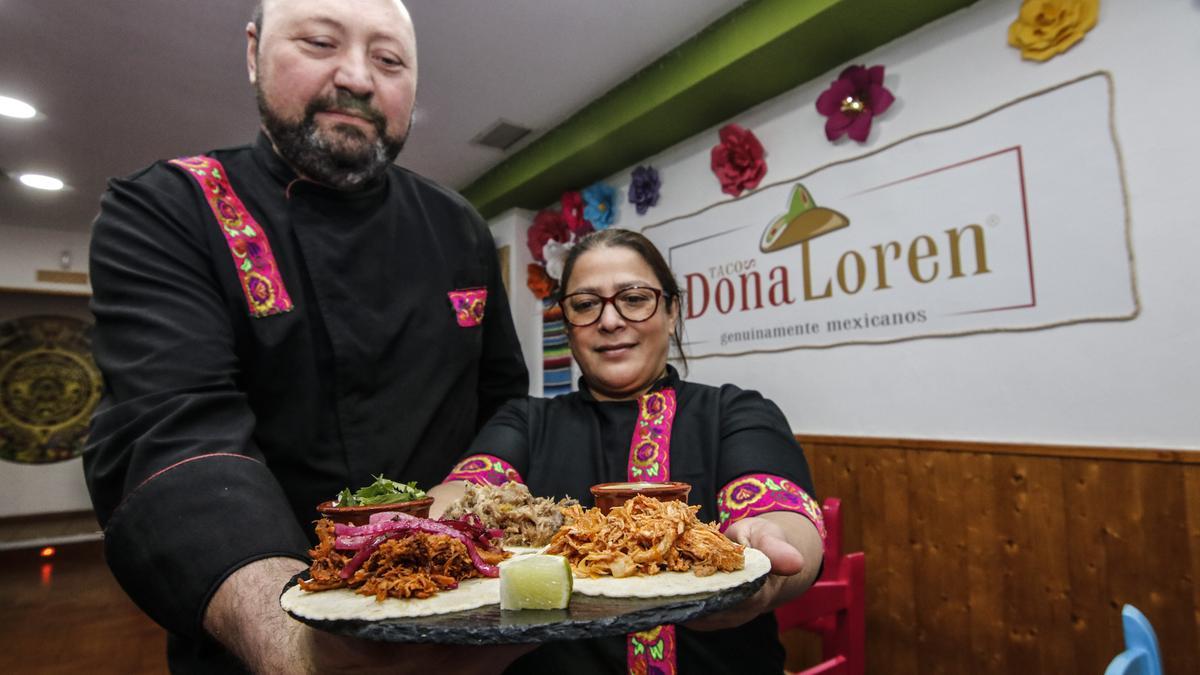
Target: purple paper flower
643	188
852	100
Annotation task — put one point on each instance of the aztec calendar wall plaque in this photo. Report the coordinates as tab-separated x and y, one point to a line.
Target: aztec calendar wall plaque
49	386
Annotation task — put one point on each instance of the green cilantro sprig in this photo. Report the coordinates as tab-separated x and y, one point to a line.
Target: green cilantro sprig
382	491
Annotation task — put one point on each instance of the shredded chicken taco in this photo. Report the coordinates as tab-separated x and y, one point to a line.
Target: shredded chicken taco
399	556
644	536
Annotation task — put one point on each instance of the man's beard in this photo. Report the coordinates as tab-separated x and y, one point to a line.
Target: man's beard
342	157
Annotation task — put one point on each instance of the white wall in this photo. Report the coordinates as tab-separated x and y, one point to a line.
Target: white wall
508	229
1132	384
24	251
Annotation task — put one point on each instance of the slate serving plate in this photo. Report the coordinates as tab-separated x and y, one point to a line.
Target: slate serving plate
585	617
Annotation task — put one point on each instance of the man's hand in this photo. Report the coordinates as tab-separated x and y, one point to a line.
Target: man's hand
794	548
244	615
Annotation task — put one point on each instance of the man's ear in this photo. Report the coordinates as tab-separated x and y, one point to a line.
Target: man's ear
252	52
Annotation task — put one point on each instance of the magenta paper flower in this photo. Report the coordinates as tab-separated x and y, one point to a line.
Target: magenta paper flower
572	211
852	100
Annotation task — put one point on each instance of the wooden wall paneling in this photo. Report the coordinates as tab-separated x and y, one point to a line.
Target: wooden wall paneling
1191	481
986	590
1010	558
1158	581
885	516
1039	608
939	564
1093	620
1121	522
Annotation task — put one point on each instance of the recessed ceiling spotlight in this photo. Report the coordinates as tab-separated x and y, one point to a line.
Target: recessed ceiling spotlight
11	107
40	182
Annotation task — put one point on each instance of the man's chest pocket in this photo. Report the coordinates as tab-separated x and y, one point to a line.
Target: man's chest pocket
468	297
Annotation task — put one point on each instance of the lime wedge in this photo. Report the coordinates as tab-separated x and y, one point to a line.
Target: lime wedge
535	582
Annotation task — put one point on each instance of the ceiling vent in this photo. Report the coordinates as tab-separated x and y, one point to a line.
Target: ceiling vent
501	135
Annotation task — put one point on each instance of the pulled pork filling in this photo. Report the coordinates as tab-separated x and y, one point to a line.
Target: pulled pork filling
401	558
644	536
526	520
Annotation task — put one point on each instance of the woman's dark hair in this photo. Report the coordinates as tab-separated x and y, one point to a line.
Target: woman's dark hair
636	242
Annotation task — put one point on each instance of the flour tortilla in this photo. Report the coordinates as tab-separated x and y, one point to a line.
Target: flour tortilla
343	603
667	584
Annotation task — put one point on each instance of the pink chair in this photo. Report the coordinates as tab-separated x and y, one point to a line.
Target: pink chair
835	606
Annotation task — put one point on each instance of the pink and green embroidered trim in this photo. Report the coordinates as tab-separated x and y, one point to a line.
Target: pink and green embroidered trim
483	468
468	305
252	256
758	493
652	652
650	449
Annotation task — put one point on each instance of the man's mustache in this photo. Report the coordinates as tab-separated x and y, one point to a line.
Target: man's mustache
347	102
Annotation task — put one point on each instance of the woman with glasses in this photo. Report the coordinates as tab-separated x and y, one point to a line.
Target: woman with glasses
635	419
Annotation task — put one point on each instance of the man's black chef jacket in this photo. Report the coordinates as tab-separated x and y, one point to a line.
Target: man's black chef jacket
218	432
564	445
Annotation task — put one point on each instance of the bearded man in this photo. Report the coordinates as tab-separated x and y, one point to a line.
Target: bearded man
276	322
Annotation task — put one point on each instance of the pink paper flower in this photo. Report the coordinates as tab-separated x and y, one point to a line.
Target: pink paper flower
737	161
852	100
572	212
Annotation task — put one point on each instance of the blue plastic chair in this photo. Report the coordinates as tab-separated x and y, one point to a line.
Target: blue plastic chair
1141	655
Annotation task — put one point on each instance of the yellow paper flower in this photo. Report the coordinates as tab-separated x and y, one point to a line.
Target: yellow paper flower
1048	27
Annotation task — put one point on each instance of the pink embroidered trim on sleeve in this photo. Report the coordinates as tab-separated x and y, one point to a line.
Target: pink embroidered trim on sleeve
482	468
252	256
759	493
468	306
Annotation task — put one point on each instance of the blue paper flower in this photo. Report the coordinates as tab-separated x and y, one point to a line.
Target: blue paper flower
643	188
601	207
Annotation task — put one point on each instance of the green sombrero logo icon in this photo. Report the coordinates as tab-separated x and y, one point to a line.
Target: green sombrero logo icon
804	220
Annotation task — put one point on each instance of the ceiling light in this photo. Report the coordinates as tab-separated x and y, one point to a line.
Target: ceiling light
11	107
41	182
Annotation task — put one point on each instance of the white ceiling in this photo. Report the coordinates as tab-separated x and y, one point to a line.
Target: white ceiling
121	83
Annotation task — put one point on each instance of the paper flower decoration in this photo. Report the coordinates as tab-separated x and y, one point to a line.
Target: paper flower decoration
556	256
852	101
572	211
643	188
601	207
1045	28
737	161
547	226
539	283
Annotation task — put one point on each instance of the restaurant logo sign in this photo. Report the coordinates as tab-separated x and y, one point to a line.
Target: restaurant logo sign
1012	221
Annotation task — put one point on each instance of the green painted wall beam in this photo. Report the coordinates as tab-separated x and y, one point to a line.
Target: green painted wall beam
756	52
